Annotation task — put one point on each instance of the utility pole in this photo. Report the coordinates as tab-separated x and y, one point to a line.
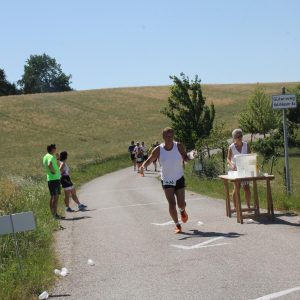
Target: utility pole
286	150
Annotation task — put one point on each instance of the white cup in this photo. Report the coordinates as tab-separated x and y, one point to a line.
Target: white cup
57	272
65	270
44	295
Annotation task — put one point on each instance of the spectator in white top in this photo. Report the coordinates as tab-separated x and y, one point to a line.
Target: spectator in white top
238	147
67	184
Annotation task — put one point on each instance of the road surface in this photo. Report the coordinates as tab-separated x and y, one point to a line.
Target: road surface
128	234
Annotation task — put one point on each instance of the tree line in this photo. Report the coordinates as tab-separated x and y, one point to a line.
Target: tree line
42	74
195	126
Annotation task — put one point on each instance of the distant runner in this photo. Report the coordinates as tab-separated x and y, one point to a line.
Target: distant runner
139	155
145	152
171	154
132	155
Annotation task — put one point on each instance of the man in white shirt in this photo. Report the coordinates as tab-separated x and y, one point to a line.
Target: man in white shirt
171	154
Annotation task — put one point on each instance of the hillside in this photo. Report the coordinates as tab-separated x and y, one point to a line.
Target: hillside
97	123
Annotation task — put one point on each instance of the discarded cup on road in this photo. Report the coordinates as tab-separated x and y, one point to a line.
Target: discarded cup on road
63	273
65	270
90	262
249	221
44	295
57	272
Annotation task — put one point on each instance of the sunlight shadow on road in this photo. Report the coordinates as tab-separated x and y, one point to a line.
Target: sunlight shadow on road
59	295
279	219
195	233
76	218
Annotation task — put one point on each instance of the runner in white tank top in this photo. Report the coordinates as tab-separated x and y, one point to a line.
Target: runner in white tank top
171	163
238	147
171	156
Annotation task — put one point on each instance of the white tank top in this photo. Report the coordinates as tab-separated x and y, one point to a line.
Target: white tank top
171	163
65	170
235	152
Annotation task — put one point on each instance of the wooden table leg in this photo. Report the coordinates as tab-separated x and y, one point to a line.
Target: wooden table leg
239	216
255	197
270	200
228	208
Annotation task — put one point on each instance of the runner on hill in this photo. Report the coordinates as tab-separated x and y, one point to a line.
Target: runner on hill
145	152
139	155
170	155
132	155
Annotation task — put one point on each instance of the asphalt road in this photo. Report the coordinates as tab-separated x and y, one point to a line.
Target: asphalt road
128	234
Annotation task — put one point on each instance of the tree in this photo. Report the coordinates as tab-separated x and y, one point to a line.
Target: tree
259	116
190	117
294	114
42	74
6	88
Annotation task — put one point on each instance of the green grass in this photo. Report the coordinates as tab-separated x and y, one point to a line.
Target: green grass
95	127
98	123
36	247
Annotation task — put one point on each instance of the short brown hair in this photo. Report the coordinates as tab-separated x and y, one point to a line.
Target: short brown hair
167	129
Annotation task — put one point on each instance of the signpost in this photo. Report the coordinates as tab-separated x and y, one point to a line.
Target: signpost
284	102
11	224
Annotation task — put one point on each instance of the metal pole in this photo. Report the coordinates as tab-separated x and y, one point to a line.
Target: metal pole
286	150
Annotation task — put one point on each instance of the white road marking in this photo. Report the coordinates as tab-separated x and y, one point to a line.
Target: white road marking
163	224
279	294
202	245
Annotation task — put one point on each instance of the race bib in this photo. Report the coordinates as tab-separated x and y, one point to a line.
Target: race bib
169	182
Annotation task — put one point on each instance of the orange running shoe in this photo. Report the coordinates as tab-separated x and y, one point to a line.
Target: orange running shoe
184	216
178	228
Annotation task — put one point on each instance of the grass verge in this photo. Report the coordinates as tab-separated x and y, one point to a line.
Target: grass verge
36	247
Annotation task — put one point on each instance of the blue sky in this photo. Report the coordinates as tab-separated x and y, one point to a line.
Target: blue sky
122	43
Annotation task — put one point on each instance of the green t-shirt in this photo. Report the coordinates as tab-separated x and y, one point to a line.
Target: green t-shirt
46	159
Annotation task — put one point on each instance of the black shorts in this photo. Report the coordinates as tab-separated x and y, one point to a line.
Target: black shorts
145	157
132	156
66	182
180	183
54	187
140	160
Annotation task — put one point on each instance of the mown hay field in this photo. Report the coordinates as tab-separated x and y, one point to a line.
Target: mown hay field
97	124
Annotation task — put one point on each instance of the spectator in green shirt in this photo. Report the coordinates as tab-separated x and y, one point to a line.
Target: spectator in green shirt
53	178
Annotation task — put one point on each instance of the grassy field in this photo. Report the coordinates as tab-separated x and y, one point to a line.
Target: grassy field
95	127
98	123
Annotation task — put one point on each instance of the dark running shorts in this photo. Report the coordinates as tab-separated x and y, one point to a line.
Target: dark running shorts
66	181
132	156
180	183
54	187
140	160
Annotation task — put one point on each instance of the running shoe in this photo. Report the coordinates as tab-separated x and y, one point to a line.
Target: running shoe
178	228
69	209
82	206
184	216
